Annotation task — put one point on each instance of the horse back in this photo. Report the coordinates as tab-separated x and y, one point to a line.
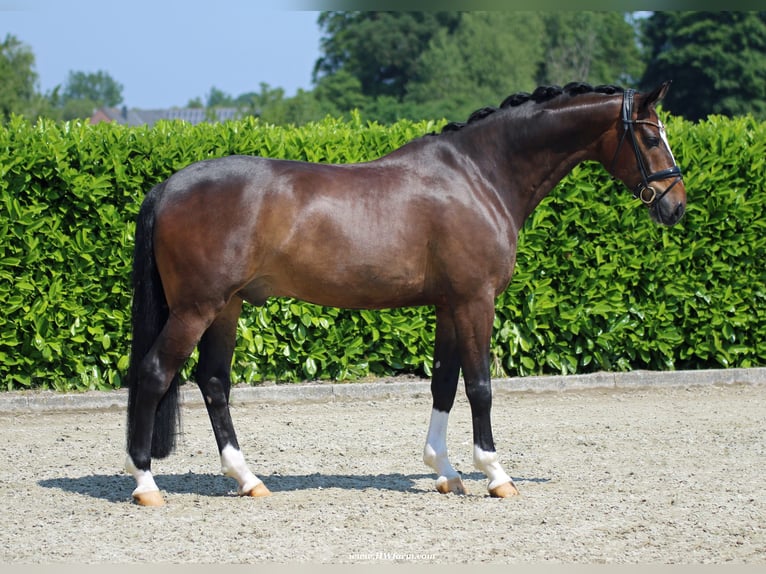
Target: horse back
372	235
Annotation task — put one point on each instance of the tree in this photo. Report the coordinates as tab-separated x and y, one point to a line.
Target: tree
447	64
219	99
17	77
269	104
488	56
593	47
303	107
98	87
716	60
83	92
380	49
341	91
255	103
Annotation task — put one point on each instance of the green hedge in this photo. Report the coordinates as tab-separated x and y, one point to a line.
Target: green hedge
597	286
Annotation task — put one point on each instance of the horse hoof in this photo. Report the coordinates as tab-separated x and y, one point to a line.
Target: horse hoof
505	490
451	485
150	498
258	491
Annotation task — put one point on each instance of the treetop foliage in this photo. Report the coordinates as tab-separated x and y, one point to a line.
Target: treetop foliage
717	61
17	76
402	64
394	65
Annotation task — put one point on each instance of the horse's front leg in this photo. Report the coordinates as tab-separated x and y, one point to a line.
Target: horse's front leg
473	324
444	380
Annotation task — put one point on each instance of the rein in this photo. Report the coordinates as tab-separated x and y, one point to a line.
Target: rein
644	191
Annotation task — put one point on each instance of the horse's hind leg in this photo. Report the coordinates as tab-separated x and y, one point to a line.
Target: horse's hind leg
157	369
444	380
213	377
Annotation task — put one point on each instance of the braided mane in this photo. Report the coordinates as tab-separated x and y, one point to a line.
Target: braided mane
540	95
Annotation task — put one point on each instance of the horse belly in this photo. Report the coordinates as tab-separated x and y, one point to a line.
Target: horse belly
348	279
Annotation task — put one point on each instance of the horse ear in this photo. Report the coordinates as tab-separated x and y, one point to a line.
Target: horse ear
655	95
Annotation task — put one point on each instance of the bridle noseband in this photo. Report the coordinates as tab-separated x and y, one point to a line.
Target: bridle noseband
644	191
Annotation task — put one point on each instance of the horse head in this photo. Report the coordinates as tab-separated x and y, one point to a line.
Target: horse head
646	165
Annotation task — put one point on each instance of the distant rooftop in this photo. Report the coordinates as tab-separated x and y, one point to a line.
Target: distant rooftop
134	117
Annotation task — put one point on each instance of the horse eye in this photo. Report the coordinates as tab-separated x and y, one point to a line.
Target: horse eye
652	141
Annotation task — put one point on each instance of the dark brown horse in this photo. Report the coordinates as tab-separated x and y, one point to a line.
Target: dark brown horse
433	223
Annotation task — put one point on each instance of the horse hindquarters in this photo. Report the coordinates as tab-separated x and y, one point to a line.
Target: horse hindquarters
161	344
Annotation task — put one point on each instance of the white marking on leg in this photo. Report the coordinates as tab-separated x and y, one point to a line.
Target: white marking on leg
435	452
489	464
233	465
144	479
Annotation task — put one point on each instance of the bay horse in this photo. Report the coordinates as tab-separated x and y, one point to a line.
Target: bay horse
433	223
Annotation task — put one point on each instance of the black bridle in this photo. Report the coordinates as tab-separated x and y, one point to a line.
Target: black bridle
644	191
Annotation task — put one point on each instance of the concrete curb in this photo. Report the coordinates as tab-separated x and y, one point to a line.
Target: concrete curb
49	401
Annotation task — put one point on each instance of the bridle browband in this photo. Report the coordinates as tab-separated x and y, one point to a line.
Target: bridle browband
644	191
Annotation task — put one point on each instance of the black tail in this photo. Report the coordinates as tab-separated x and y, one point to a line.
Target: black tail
150	312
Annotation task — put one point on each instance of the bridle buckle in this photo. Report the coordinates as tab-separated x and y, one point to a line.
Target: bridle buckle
647	194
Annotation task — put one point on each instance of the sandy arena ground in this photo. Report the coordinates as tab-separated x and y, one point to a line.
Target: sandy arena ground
654	475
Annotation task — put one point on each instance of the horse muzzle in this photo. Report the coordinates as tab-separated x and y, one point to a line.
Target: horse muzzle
667	206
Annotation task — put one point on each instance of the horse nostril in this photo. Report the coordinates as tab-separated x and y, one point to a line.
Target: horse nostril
680	209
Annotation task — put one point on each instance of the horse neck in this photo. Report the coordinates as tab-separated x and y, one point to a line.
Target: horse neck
525	154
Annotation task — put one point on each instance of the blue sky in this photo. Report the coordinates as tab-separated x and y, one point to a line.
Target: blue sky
166	52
